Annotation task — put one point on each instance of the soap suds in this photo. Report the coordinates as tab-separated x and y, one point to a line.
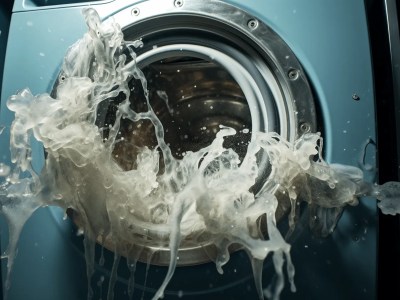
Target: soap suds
206	195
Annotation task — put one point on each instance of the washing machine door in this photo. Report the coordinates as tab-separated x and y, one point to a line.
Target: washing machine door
263	66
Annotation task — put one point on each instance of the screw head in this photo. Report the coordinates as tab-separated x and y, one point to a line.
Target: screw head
305	127
252	24
293	74
135	11
355	97
178	3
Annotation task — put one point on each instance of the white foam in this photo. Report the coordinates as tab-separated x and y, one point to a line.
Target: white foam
207	192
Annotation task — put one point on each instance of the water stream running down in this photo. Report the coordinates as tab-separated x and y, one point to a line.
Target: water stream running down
206	195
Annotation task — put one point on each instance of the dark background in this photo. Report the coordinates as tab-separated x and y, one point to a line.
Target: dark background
5	16
388	139
388	143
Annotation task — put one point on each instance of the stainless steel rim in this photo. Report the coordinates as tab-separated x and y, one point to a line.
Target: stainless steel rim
269	74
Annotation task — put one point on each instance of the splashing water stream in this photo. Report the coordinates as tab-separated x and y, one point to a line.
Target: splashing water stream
206	195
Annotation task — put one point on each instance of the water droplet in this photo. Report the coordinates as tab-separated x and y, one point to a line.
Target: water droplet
4	170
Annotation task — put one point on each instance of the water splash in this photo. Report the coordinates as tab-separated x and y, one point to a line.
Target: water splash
207	195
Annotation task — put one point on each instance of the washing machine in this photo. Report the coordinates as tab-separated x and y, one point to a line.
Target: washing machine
310	62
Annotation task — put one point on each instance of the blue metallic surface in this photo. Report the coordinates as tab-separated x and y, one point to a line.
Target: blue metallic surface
329	38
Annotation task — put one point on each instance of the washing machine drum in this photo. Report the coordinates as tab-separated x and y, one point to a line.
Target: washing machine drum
206	66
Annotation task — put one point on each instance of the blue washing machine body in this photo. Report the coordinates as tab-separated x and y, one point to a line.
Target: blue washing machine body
330	39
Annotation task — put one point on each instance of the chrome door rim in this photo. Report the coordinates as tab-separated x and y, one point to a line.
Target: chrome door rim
163	27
